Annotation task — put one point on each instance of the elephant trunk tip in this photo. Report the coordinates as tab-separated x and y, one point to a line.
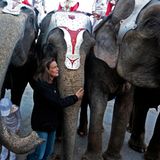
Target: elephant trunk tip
20	145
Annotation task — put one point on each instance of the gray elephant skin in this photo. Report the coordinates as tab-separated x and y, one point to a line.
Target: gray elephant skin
144	99
57	39
17	34
119	61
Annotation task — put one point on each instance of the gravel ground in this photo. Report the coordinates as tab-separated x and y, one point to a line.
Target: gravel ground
81	143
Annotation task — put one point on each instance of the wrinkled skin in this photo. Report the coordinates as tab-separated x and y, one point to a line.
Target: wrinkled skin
69	80
23	60
135	59
17	83
99	91
14	31
144	99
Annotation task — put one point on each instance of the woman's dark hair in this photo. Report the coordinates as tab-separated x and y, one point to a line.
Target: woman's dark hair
42	70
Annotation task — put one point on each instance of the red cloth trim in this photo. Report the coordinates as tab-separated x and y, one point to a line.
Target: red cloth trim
75	7
109	8
26	2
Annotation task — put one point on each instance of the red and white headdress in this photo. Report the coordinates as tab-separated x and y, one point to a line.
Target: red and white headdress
26	2
68	5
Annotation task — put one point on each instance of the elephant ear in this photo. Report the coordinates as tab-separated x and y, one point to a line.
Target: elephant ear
139	58
148	23
49	50
106	47
122	10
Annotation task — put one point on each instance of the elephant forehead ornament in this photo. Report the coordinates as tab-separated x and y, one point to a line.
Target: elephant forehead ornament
73	24
130	22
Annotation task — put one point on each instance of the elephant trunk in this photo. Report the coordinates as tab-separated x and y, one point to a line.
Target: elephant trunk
17	144
70	124
12	28
69	82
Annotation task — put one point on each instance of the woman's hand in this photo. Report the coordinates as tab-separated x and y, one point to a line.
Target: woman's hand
80	93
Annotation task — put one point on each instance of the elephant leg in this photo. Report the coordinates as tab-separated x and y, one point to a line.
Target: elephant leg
83	119
3	90
18	84
137	137
16	93
60	127
153	150
97	108
6	83
122	109
130	124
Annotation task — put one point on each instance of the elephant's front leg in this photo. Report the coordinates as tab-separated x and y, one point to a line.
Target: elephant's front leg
153	150
122	109
98	102
83	119
137	137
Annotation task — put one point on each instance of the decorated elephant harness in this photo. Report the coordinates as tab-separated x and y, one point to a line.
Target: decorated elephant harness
73	24
130	22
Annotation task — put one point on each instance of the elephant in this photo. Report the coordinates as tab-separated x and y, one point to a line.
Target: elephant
17	35
144	99
126	54
69	35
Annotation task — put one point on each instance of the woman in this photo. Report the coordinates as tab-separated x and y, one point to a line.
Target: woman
47	103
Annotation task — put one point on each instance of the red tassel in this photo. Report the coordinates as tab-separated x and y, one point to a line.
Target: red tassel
109	8
26	2
75	7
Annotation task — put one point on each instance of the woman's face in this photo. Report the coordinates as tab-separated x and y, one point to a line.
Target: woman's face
53	69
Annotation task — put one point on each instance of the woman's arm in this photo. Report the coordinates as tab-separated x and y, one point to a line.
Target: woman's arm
51	95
